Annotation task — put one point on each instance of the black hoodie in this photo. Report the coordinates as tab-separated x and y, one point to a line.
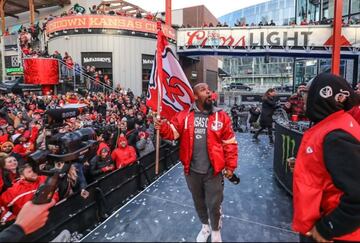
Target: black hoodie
341	154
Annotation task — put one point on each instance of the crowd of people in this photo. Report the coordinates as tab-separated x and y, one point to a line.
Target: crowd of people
304	21
260	117
124	129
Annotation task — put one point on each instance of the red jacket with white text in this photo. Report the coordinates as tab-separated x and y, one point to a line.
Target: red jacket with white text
221	141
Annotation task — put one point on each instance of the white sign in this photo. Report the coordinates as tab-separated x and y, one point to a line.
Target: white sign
287	36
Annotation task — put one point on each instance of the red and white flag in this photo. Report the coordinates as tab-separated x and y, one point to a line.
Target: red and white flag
168	82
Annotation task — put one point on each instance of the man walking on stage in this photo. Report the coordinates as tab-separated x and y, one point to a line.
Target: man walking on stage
208	149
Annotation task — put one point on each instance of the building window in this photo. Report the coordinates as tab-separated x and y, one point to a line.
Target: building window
346	7
313	11
355	6
328	9
301	10
147	63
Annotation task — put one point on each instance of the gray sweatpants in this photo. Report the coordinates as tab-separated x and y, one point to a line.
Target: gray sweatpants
207	193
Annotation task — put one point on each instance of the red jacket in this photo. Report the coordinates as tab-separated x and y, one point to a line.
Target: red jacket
314	193
123	156
355	112
20	149
221	141
4	138
20	193
102	145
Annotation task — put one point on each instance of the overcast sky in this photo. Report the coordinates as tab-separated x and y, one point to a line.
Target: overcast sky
218	8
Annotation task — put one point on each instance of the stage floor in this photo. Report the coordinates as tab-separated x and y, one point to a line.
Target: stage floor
257	209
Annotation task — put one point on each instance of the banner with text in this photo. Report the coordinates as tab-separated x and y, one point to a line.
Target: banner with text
97	59
107	22
298	36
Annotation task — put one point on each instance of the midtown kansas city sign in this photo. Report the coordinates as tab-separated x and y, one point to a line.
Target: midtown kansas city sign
106	22
298	36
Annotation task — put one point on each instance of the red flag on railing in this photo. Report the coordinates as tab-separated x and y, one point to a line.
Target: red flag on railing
168	81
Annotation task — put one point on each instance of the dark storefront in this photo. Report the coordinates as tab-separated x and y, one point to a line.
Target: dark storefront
102	61
147	63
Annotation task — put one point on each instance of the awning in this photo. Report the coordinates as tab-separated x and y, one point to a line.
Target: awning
222	73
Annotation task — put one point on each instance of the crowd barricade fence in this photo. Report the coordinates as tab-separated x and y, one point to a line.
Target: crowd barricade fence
107	193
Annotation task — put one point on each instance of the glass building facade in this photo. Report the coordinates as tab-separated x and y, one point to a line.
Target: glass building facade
316	10
280	11
265	72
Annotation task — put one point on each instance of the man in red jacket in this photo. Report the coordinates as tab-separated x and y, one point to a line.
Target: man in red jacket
326	183
23	190
208	148
124	155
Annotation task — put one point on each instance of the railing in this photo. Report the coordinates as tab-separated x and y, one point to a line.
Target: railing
107	194
76	76
90	82
71	72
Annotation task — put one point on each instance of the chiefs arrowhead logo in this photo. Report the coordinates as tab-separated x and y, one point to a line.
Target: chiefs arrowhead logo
344	41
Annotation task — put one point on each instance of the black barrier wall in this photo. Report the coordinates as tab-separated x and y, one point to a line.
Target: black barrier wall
287	144
107	194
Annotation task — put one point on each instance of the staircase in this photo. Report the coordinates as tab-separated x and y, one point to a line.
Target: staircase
76	78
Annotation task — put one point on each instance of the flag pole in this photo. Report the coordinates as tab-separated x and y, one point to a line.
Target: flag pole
159	98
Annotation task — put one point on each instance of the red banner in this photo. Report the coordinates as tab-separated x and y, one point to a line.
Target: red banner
41	71
107	22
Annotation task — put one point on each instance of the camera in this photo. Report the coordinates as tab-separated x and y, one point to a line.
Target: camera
77	146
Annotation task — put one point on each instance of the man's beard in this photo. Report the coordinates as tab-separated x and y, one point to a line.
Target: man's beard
208	106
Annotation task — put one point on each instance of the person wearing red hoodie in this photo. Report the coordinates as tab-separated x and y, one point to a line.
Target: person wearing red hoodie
23	190
124	155
102	138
